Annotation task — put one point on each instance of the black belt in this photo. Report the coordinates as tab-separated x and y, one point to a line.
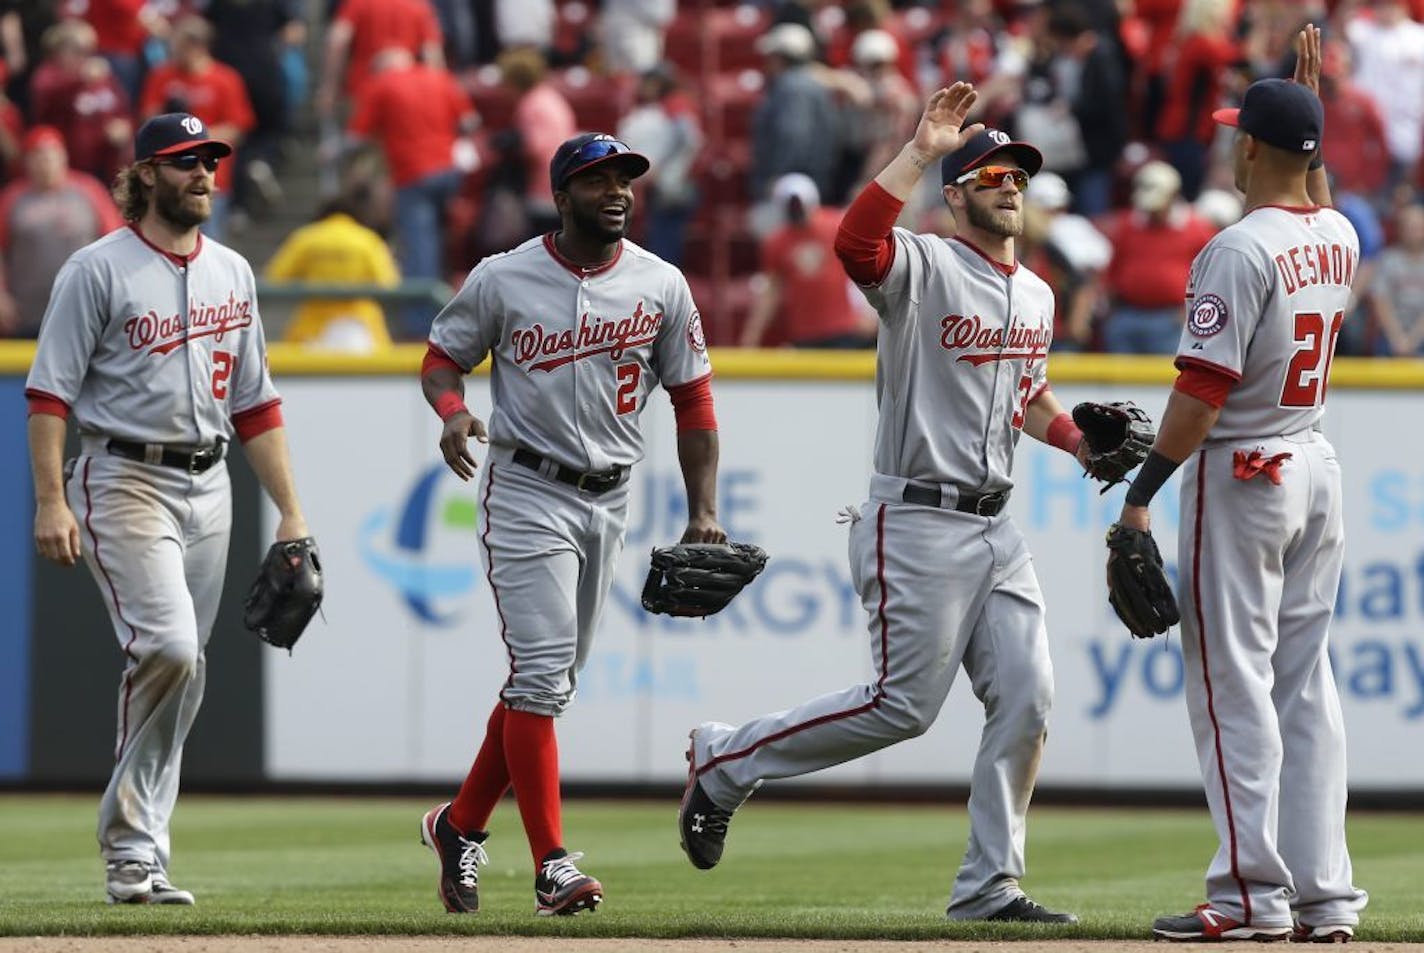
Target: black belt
981	504
194	461
600	482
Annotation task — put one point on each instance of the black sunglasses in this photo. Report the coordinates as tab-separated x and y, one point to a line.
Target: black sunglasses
188	161
599	149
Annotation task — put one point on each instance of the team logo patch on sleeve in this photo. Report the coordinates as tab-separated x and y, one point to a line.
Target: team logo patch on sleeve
1208	316
694	332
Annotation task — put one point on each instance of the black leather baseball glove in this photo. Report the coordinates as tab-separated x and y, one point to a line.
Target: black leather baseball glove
1119	436
699	579
1137	584
286	593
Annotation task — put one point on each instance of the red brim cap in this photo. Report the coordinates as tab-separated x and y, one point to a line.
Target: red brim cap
1227	117
216	145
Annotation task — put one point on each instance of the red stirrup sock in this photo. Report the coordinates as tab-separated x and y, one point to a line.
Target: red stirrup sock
532	753
487	781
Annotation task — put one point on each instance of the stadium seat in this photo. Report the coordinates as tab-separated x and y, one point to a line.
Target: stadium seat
493	100
598	101
729	101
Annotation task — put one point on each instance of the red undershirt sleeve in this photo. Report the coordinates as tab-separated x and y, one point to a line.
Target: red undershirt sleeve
692	404
434	357
1207	384
40	402
258	420
863	240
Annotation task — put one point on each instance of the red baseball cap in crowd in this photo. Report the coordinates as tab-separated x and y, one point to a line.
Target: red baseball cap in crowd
40	137
591	149
171	133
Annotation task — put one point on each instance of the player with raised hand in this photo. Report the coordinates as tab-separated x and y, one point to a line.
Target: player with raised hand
943	573
1262	541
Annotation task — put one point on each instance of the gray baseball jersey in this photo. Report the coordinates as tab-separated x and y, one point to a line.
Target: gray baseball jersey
1259	562
962	350
575	352
1265	301
147	350
151	348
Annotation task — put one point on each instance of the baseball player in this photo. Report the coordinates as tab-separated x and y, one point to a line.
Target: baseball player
153	343
1262	537
580	325
943	573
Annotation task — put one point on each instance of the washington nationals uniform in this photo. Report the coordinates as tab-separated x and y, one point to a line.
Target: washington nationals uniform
575	354
1260	556
152	354
944	575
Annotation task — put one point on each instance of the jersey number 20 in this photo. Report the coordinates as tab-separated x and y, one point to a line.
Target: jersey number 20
1308	374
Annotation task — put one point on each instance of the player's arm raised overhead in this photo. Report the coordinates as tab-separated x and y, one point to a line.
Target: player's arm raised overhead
863	241
1307	73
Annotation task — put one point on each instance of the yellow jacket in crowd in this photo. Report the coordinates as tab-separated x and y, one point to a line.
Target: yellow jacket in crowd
336	249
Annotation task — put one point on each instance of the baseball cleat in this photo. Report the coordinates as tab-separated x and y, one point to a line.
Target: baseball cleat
701	824
460	858
129	881
165	892
1325	933
1022	909
561	889
1206	925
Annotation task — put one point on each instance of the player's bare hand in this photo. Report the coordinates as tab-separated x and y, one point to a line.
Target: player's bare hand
455	446
703	529
57	533
293	526
1307	58
1136	517
941	129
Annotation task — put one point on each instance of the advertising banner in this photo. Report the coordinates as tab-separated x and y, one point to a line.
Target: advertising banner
409	661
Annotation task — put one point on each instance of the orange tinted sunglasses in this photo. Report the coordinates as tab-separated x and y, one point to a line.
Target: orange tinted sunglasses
993	176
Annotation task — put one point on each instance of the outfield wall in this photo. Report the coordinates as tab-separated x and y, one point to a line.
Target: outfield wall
396	684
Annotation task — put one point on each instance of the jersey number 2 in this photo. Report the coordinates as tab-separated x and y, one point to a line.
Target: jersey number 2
628	376
1309	371
223	362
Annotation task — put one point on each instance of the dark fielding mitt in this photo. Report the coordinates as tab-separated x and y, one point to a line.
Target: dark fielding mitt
286	593
699	579
1137	584
1119	436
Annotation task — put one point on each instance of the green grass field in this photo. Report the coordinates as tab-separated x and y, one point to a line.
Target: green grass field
355	866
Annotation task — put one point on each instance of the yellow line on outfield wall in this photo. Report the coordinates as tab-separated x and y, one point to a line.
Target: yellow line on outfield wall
781	364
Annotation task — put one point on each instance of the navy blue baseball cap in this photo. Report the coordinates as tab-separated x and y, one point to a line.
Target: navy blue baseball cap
591	149
983	147
171	133
1280	113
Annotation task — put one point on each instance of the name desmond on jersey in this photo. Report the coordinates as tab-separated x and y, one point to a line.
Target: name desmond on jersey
1306	265
161	335
611	336
992	343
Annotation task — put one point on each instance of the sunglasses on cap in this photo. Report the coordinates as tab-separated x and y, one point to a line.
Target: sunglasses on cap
598	149
993	176
188	161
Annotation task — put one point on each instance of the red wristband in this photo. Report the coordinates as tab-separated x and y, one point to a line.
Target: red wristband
449	404
1064	434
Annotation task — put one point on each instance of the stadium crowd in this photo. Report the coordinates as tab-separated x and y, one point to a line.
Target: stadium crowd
434	121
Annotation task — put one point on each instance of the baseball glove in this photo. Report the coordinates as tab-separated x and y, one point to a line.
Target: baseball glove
286	593
1119	436
699	579
1137	583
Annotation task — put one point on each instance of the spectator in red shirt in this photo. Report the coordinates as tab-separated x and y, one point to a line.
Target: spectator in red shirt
363	28
1357	150
804	283
416	112
122	28
1154	243
75	91
194	82
1200	56
45	217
